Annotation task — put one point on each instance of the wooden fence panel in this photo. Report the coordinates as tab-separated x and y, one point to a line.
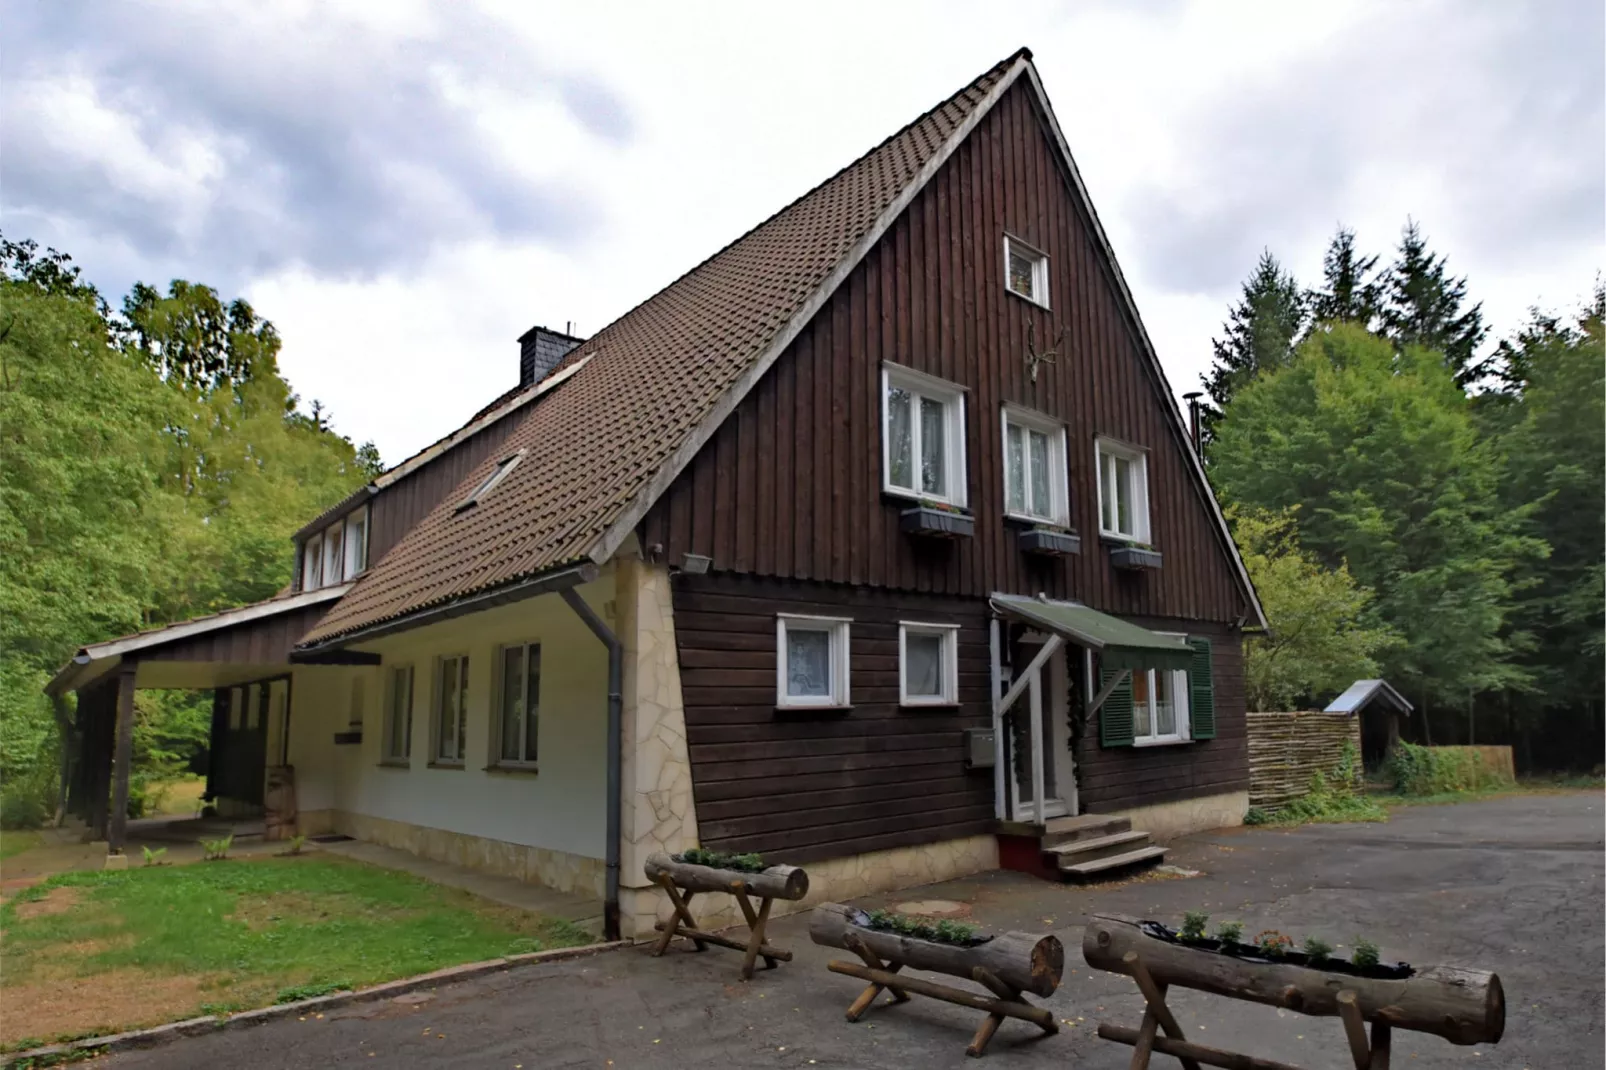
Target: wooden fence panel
1286	749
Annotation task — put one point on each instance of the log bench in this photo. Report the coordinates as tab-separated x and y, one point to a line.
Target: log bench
1008	966
775	882
1463	1006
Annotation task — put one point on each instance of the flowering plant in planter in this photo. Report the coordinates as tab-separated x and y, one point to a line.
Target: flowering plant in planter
1271	946
738	863
939	931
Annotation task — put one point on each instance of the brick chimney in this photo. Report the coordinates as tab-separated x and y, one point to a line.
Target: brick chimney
540	349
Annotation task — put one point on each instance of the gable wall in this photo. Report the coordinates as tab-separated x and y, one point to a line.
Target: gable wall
790	486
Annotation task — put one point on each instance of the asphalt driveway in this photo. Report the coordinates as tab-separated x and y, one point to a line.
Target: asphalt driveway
1514	885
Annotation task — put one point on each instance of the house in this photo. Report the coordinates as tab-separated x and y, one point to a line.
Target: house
874	542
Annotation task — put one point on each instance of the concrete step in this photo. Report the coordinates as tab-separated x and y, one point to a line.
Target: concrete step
1143	856
1061	830
1097	847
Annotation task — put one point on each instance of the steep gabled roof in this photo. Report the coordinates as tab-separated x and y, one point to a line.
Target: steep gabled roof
658	382
649	390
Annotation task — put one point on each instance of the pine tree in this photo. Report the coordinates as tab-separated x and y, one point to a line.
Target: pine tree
1351	295
1261	332
1423	306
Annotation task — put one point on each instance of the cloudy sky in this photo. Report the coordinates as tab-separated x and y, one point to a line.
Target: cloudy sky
405	187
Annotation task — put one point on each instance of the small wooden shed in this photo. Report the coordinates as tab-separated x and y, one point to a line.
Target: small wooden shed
1380	708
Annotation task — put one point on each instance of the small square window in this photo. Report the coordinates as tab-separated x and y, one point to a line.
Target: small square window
928	664
1034	468
1025	271
1123	492
1159	706
922	436
811	661
451	709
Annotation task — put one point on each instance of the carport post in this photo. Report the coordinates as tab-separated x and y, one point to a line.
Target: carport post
610	900
117	834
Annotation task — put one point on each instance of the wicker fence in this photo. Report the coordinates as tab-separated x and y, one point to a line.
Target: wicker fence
1285	749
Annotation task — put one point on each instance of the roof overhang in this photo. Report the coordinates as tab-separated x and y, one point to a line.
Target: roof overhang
1362	693
560	579
1119	644
96	659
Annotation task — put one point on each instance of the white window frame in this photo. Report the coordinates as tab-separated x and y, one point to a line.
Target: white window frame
312	558
499	711
499	473
952	396
334	558
1058	465
1139	458
399	716
949	634
1039	294
356	548
1181	694
841	646
438	711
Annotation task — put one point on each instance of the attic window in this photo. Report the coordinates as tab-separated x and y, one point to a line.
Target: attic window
1025	271
499	473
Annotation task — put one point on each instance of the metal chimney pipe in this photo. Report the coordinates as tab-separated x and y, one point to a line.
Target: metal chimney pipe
1193	416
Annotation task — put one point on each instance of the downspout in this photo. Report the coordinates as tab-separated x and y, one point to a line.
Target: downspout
610	902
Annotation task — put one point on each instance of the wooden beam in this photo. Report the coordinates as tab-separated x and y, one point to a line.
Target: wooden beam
338	657
1053	644
1115	682
117	831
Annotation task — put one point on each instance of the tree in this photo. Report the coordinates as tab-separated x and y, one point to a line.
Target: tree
1320	639
195	340
1260	333
1350	293
1380	452
1424	306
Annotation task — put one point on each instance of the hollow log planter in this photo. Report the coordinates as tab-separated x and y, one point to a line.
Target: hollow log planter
1462	1006
775	882
1008	966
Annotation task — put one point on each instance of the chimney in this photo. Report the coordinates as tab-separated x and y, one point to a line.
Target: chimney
540	349
1193	416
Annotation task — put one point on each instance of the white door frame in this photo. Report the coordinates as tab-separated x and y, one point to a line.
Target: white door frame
1007	802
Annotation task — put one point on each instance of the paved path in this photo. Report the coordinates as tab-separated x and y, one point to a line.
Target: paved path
1512	884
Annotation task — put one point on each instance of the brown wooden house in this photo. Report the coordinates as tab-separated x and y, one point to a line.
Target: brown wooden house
876	541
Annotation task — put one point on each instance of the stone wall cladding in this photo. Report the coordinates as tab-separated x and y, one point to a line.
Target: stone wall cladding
833	880
557	870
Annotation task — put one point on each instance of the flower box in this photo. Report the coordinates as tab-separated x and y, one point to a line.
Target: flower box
1050	543
1134	558
936	523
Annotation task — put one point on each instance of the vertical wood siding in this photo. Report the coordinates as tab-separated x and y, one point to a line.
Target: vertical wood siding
805	785
790	486
397	508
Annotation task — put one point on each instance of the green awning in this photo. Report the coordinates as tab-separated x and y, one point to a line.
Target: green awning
1118	644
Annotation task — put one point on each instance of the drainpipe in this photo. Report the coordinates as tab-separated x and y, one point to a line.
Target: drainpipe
610	901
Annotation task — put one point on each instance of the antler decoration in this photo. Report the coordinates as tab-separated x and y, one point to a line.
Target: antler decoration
1033	357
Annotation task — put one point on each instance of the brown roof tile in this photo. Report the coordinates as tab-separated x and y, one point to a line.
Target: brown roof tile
593	447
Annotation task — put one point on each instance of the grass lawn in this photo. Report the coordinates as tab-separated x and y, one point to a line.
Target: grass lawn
95	952
14	842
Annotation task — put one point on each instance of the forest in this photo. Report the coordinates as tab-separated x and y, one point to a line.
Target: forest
153	465
1413	499
1416	500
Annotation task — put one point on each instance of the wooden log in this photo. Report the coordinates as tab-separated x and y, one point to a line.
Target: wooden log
1462	1006
1038	1016
769	951
776	882
1025	962
1186	1049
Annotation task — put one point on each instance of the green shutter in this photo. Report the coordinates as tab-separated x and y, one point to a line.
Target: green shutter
1202	690
1115	716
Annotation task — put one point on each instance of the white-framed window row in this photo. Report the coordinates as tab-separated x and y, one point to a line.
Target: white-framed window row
337	553
1160	706
928	664
811	662
1036	470
922	437
397	748
449	720
1123	478
1025	271
516	729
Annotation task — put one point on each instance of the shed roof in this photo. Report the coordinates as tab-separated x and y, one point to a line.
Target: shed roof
1362	693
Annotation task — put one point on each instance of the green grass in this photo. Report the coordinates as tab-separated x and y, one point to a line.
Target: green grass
1528	785
253	932
15	842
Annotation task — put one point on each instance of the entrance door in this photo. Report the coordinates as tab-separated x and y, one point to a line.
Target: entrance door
1039	722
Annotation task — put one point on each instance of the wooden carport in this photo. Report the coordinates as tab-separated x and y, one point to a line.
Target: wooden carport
243	646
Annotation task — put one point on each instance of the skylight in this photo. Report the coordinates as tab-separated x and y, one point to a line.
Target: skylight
499	473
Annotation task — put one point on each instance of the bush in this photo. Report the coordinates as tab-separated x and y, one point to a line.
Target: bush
740	863
1335	799
945	931
1418	770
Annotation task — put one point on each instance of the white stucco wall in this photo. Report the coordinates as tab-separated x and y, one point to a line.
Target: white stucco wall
560	807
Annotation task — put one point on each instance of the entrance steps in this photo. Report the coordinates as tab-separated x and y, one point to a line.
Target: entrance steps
1077	848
